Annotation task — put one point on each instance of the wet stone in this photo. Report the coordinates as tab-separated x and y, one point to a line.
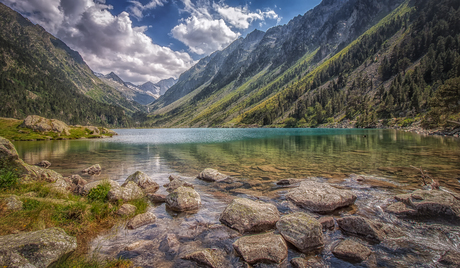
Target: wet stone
157	198
267	247
147	184
44	164
141	220
361	227
310	263
351	251
126	209
183	199
138	244
93	170
327	223
213	258
301	230
211	175
176	182
451	259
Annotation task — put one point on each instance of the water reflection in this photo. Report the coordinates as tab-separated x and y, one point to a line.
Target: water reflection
256	153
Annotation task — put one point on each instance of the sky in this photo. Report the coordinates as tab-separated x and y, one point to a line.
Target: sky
151	40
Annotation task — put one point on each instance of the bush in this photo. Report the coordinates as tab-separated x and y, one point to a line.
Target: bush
99	193
8	178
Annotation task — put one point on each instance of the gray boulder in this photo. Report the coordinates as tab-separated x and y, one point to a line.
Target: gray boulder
93	170
367	229
41	124
126	209
320	197
213	258
246	215
126	193
157	198
427	203
147	184
351	251
35	249
63	186
13	203
268	247
211	175
301	230
176	182
183	199
141	220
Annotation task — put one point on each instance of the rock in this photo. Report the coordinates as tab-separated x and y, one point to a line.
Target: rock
141	220
93	170
147	184
211	175
44	164
171	243
327	223
450	258
246	215
310	263
351	251
94	184
139	244
157	198
175	182
41	124
301	230
62	186
9	157
361	227
93	130
78	184
108	131
267	247
427	203
35	249
288	181
126	209
183	199
127	193
320	197
13	203
213	258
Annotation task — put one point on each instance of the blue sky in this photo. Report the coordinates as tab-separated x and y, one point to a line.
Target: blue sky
150	40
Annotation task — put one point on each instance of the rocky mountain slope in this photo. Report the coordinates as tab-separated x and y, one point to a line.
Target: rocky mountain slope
231	81
42	75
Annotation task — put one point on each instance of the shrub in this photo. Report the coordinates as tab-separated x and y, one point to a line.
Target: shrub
99	193
8	178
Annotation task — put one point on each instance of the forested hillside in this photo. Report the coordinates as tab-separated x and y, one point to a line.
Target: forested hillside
403	68
41	75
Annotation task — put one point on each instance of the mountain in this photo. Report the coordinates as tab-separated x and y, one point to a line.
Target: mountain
235	79
160	87
128	90
359	63
42	75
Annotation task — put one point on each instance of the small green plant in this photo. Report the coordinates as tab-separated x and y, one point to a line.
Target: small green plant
30	204
8	178
141	205
99	193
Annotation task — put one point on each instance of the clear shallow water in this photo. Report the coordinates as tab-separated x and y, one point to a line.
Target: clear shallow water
258	158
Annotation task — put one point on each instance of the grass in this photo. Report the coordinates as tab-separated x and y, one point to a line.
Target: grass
11	129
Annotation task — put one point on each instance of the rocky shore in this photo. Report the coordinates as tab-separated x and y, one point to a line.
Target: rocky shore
205	222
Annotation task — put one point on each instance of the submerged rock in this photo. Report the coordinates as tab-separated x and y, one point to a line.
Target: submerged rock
427	203
176	182
310	263
212	175
301	230
213	258
147	184
93	170
157	198
290	181
267	247
246	215
35	249
351	251
183	199
320	197
367	229
44	164
141	220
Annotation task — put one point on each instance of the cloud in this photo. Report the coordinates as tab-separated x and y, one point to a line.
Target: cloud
137	8
106	42
210	26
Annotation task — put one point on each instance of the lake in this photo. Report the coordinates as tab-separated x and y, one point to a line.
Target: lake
374	164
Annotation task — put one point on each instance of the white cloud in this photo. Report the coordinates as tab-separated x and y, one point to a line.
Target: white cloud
106	42
241	17
137	8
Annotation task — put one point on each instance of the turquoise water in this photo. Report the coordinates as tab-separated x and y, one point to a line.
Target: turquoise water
257	154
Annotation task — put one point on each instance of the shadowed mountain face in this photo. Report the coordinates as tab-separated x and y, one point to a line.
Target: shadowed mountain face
228	82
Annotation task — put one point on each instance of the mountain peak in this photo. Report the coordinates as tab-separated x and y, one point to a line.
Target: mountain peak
114	77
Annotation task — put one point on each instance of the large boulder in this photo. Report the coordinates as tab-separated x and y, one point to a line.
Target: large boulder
368	229
41	124
9	157
147	184
211	175
268	247
320	197
176	182
246	215
183	199
427	203
141	220
351	251
213	258
35	249
127	192
301	230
